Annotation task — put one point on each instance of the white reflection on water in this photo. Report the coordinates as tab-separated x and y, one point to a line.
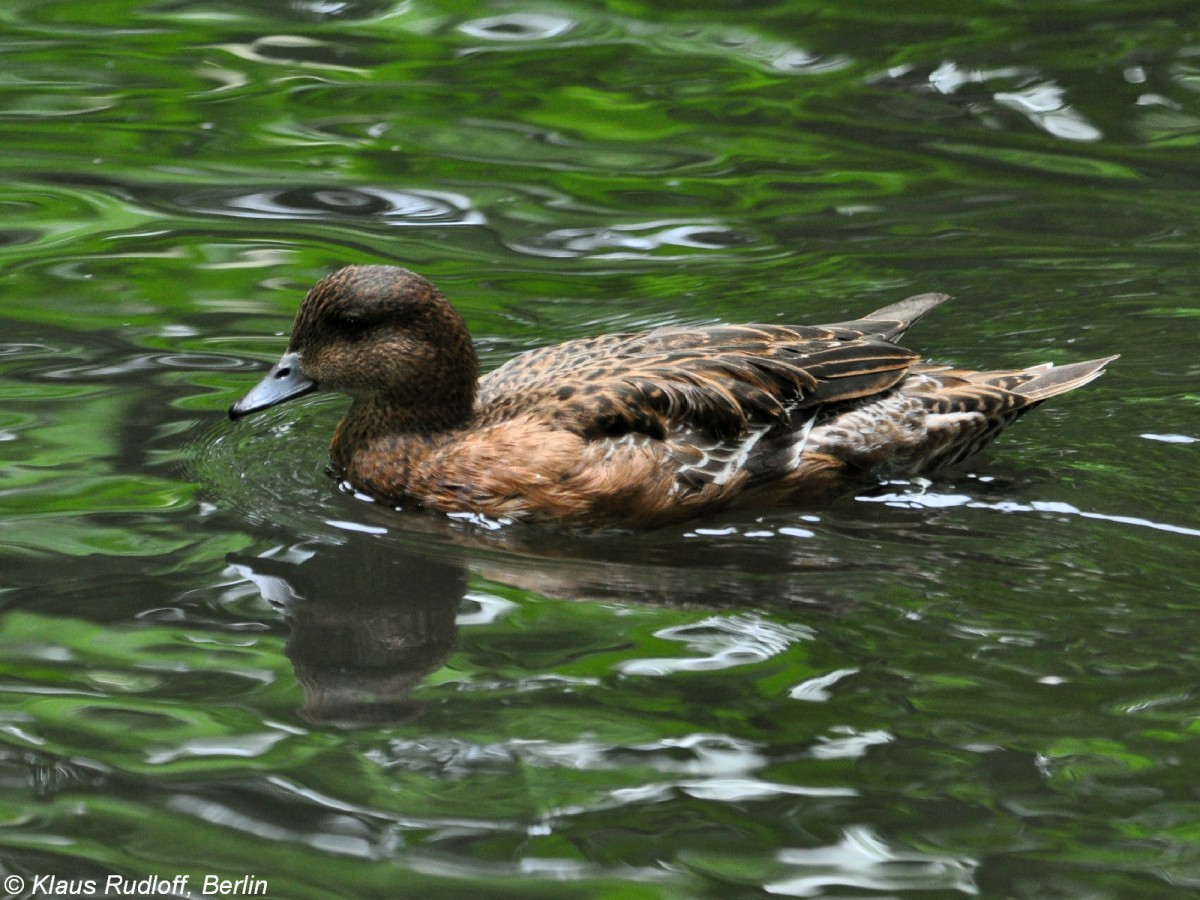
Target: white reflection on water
849	743
245	745
408	207
736	790
1171	438
636	240
1044	106
288	50
861	859
479	608
932	500
721	642
816	690
1042	102
344	835
517	27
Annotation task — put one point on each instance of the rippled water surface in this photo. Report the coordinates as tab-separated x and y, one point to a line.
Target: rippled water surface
215	664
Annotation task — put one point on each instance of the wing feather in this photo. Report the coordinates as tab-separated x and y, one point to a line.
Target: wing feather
722	398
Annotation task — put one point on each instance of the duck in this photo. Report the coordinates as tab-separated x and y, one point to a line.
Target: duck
637	429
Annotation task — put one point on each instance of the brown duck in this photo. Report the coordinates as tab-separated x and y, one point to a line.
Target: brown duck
634	429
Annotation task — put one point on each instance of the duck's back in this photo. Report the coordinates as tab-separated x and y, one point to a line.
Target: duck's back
718	379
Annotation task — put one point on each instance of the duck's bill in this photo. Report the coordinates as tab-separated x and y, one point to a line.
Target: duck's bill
284	382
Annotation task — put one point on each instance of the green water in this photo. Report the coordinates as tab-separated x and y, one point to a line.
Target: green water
215	664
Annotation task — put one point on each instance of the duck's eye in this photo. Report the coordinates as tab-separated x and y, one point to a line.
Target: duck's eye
351	324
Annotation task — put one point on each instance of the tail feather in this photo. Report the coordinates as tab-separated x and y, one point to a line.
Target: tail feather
958	410
1048	381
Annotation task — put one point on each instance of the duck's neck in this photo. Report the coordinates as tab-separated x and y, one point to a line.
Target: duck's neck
376	424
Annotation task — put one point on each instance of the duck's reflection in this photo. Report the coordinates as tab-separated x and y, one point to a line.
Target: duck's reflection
367	624
373	610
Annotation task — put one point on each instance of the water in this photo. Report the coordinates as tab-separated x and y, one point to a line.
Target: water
215	664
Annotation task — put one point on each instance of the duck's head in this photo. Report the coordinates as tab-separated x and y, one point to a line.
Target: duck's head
383	335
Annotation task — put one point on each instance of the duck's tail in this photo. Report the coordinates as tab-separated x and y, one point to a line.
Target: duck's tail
1025	388
956	412
1048	380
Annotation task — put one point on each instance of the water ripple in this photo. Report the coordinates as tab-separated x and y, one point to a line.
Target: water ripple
393	207
289	50
1044	106
862	860
1020	89
723	642
935	500
149	361
518	27
697	756
243	745
637	240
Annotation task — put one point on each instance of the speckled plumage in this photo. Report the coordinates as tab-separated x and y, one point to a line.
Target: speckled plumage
636	429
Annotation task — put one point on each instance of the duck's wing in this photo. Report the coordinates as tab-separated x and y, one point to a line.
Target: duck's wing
890	322
723	398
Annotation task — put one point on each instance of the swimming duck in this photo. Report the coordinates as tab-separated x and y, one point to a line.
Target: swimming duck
634	429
